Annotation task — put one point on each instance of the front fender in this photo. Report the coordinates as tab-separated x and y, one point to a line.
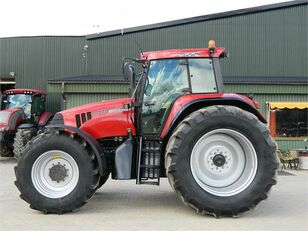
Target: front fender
97	149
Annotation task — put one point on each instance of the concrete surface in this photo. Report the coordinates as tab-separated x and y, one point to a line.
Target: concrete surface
122	205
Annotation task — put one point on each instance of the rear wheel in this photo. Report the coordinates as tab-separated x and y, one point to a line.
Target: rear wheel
56	173
102	181
221	161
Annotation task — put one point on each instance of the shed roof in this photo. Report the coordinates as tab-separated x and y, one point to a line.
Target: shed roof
232	13
90	79
268	80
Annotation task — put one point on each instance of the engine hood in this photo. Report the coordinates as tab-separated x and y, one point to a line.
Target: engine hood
103	119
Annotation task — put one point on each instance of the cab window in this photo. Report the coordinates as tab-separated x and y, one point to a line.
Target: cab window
202	76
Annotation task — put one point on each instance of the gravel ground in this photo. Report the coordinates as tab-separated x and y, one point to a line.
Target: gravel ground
123	205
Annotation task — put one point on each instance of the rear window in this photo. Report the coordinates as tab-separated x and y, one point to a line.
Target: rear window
202	76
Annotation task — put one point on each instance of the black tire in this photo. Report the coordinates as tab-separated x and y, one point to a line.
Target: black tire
81	155
102	181
22	137
6	144
5	151
199	196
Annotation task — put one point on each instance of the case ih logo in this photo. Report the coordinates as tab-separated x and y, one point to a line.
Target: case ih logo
189	54
104	111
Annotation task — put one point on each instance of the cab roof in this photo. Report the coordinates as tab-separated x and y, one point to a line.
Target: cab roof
23	91
183	53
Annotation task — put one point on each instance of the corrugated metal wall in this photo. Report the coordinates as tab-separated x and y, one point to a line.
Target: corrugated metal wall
261	44
290	144
76	99
267	89
38	59
268	43
78	94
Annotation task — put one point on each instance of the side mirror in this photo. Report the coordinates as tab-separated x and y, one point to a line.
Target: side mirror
226	54
129	75
1	100
127	71
43	98
148	90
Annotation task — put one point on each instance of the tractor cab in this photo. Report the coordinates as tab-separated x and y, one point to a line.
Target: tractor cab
20	107
31	101
169	75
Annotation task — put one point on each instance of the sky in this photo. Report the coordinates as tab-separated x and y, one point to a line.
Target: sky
80	17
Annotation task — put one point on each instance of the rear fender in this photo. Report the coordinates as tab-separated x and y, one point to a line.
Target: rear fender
201	103
96	148
45	118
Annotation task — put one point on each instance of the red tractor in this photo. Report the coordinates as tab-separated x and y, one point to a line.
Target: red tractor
214	147
22	115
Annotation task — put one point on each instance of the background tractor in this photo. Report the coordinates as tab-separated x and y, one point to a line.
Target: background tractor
22	115
214	148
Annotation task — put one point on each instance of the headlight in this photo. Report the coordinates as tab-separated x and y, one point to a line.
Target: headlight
4	129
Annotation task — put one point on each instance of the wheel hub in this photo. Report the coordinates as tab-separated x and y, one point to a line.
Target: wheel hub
58	172
219	160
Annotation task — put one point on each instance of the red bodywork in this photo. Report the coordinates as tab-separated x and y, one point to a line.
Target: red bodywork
11	112
23	91
112	118
44	117
183	53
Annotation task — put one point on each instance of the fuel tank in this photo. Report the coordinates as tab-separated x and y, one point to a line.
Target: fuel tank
104	119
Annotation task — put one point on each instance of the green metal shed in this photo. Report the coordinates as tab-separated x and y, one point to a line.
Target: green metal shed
74	91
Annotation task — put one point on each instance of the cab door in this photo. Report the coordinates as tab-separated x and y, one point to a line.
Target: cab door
167	80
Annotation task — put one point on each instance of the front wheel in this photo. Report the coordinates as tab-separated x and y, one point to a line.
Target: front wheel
22	137
221	161
57	173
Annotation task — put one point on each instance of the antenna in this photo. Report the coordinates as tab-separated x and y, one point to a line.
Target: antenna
141	51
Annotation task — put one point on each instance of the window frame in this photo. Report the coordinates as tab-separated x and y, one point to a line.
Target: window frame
272	121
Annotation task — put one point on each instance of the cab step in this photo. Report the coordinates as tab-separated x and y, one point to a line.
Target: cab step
148	167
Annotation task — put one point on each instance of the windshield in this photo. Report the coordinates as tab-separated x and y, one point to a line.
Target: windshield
19	101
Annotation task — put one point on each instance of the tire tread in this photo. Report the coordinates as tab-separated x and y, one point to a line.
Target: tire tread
174	145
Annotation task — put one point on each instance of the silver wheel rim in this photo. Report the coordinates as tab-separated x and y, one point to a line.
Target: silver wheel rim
223	162
55	174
